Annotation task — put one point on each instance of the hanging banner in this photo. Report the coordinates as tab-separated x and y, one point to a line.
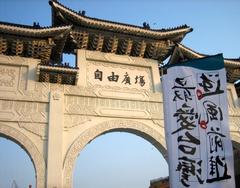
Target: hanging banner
196	124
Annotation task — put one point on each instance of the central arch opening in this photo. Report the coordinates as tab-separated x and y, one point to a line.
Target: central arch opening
118	159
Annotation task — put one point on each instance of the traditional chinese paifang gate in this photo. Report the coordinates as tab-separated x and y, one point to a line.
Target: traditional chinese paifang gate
53	110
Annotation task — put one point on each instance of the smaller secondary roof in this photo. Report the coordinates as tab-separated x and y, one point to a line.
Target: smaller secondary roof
182	53
45	43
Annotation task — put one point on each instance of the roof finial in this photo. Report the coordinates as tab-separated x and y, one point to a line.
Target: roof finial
36	25
146	25
82	12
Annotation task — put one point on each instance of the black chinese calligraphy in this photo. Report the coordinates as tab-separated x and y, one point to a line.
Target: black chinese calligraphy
186	118
210	84
211	112
189	167
113	78
182	90
126	79
98	75
140	80
186	148
218	169
215	140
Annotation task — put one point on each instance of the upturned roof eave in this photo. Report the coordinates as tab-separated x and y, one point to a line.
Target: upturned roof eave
231	63
117	27
28	31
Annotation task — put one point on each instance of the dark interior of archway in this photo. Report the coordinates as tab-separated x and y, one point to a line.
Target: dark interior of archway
236	152
17	167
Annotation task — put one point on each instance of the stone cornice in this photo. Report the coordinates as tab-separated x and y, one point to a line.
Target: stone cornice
58	69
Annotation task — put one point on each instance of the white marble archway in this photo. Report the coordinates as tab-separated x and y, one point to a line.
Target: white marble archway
143	130
36	157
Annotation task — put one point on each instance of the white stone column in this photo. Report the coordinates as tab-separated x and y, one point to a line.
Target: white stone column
55	140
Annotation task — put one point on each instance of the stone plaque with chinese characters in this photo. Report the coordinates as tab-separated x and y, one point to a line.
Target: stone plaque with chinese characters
119	76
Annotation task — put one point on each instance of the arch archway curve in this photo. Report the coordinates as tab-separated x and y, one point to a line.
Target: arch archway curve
23	141
143	130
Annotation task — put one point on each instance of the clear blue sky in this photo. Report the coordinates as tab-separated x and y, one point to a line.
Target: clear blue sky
124	160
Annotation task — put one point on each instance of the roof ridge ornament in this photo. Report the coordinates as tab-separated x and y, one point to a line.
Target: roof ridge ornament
36	25
82	12
146	25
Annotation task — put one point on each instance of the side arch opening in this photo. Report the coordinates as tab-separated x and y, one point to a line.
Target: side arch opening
28	146
17	168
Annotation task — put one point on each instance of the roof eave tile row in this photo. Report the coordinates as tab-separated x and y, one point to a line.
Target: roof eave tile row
27	31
